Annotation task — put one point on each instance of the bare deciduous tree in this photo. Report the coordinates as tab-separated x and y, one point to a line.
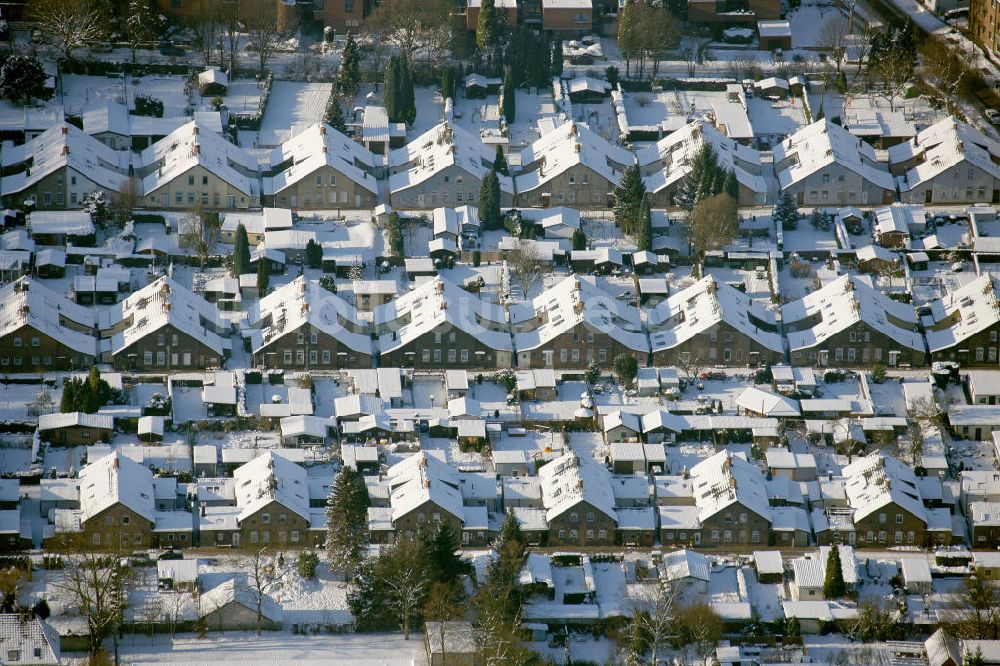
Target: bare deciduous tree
653	615
97	588
263	34
229	36
402	22
945	65
525	264
259	569
207	27
198	231
70	23
833	36
138	25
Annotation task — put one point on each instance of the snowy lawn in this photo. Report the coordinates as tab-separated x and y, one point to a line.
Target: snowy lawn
294	103
80	91
247	649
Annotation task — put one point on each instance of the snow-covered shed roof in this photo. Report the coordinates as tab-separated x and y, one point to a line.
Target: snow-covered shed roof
240	593
271	478
568	480
707	302
116	479
767	403
69	419
684	563
843	303
573	301
821	144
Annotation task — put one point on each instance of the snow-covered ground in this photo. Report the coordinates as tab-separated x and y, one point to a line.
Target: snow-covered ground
247	649
80	92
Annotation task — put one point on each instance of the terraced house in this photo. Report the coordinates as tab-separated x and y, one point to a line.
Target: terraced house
439	324
320	168
964	325
732	502
574	323
579	502
301	325
712	322
192	167
41	330
848	323
164	326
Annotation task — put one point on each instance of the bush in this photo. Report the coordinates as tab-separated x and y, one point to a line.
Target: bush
253	377
878	373
307	564
477	258
146	105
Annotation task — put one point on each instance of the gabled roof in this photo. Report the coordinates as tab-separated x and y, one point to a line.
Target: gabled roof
724	479
821	144
317	146
571	302
303	301
767	403
878	479
37	642
843	303
271	478
436	302
189	146
28	302
114	118
422	478
945	144
684	563
566	146
704	304
70	419
672	157
116	479
568	480
161	303
229	592
440	147
957	316
64	145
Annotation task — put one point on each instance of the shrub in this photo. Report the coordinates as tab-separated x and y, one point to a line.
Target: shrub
146	105
307	564
878	373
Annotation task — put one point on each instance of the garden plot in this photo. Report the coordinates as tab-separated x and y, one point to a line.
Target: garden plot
291	107
243	96
82	91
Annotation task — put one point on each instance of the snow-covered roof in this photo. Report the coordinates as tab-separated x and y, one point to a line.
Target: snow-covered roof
684	563
28	302
317	146
942	146
843	303
233	591
724	479
116	479
57	420
767	403
673	155
271	478
878	479
189	146
566	146
569	480
573	301
704	304
962	313
69	222
114	118
213	75
434	303
440	147
821	144
161	303
423	478
31	637
774	28
303	301
63	145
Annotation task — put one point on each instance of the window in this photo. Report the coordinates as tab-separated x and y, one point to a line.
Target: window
602	534
715	535
147	358
465	356
590	516
288	356
190	179
899	519
452	355
125	519
425	356
899	536
295	536
319	179
326	357
96	539
265	518
574	517
590	535
562	535
13	655
574	535
882	518
313	356
17	340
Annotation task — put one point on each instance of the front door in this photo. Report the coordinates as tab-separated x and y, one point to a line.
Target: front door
928	196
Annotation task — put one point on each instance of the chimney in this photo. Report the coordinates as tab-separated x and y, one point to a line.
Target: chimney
197	149
195	130
65	129
322	130
65	150
324	149
203	510
427	483
302	287
117	463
